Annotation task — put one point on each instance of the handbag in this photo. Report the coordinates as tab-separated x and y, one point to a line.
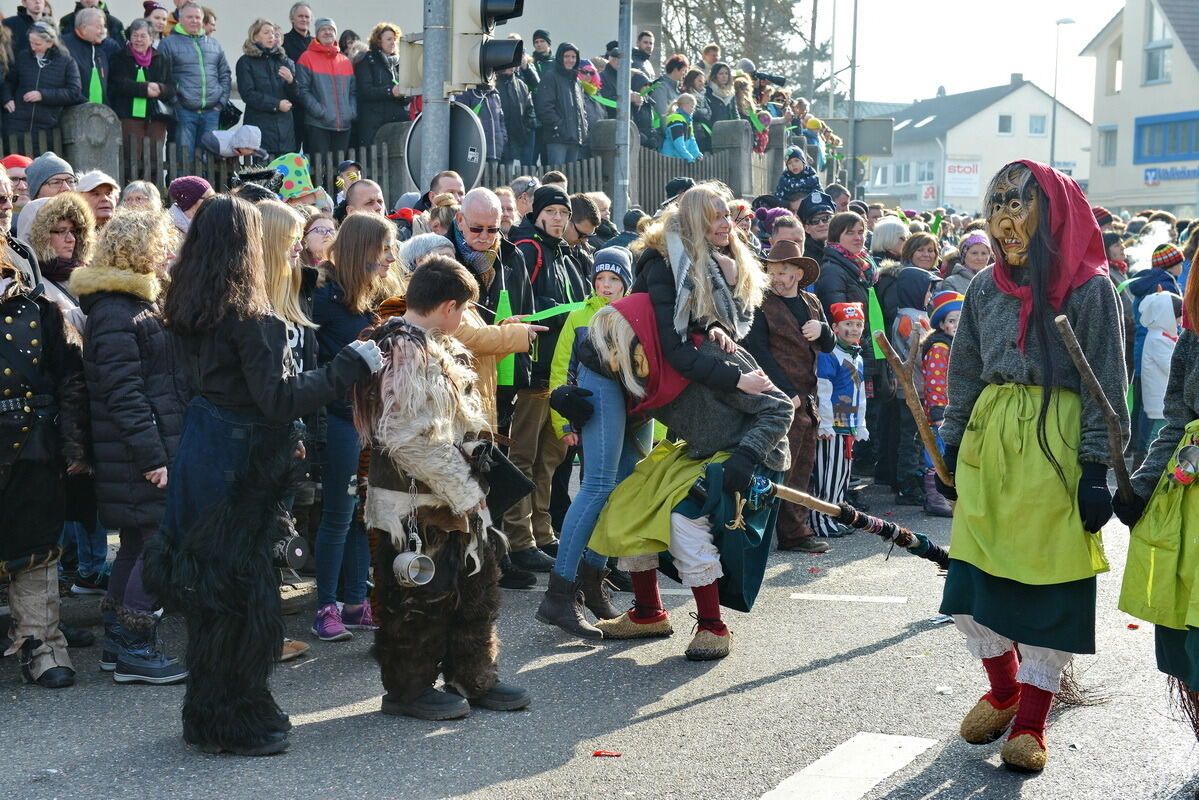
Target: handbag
506	484
230	115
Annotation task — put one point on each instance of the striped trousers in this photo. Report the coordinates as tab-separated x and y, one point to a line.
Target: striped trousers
830	477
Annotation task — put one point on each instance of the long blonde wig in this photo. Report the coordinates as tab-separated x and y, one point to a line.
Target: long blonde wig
280	225
614	341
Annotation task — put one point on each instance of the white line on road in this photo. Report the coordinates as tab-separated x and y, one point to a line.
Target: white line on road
852	769
848	598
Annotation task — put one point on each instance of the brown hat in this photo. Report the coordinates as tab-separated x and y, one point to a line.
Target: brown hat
788	252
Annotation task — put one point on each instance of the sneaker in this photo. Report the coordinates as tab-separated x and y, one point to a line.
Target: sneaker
328	626
360	620
92	584
292	649
531	559
430	704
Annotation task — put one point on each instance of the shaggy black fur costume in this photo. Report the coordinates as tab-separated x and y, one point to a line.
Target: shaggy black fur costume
446	626
222	577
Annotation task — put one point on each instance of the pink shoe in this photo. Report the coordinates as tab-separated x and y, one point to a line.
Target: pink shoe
360	620
328	626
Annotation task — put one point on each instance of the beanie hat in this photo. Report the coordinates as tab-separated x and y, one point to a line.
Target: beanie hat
1166	255
793	152
16	160
971	240
632	218
420	246
676	186
1102	215
844	311
43	168
152	5
943	304
542	34
614	259
1110	238
548	196
322	22
297	180
185	192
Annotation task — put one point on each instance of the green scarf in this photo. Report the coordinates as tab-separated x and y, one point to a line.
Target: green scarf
139	103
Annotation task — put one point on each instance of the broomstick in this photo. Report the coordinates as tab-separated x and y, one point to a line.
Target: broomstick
913	400
1115	438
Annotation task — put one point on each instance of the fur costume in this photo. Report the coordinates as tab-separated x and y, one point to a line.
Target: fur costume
221	575
422	415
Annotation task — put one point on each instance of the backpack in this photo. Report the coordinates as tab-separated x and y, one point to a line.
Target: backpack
533	273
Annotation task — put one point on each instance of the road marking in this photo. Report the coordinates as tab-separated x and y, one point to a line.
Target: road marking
848	598
852	769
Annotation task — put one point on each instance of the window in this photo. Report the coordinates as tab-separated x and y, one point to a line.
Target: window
901	125
1166	137
1115	67
1107	146
882	174
1036	124
924	171
903	173
1005	125
1158	47
924	121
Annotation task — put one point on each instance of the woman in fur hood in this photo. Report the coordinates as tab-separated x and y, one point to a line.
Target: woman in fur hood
137	398
62	234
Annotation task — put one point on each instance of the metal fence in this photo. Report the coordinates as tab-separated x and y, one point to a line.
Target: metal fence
655	170
584	175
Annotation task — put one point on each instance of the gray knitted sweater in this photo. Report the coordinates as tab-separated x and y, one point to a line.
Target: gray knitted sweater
985	352
1182	408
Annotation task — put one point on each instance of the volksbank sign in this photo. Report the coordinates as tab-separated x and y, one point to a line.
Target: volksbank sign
1154	175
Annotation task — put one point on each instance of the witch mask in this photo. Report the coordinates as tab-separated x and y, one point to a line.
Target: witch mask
1013	209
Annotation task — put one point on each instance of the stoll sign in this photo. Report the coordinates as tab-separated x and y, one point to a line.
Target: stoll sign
962	178
1155	175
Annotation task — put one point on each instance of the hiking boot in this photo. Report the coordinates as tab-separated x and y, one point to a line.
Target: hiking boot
77	637
808	544
328	626
140	657
513	577
596	597
53	678
360	620
628	626
292	649
501	697
430	704
561	606
112	645
935	503
532	559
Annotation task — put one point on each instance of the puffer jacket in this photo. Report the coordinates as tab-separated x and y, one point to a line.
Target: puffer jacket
327	87
136	391
559	102
374	76
262	90
124	86
203	79
520	120
679	138
56	76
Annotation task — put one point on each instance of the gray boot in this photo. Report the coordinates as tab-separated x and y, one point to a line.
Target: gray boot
561	607
141	658
597	598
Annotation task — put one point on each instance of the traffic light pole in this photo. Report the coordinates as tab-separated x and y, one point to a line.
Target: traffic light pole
435	143
624	86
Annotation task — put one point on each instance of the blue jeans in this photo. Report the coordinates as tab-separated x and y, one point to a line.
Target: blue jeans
612	447
190	126
91	546
561	153
340	545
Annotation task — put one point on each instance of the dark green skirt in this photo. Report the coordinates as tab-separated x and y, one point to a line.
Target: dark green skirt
1057	615
1178	653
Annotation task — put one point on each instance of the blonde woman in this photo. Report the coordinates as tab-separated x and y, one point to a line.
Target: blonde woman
266	81
443	213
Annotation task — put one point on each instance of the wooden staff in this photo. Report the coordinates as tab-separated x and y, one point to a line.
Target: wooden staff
1115	436
913	400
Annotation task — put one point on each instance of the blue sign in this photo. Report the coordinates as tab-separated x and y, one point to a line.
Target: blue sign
1154	175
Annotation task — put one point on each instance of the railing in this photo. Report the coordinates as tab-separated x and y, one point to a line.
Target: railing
34	144
584	175
655	170
763	181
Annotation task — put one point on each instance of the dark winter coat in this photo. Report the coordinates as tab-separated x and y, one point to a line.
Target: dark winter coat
489	108
90	56
57	78
338	327
116	28
136	391
520	120
295	43
202	75
701	121
123	85
262	90
840	281
327	87
720	109
645	63
559	102
19	24
375	76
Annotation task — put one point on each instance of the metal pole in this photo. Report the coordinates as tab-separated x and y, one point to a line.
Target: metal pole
853	115
435	139
832	66
624	86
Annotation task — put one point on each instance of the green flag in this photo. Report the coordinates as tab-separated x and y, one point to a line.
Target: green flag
564	308
95	89
139	103
505	370
875	315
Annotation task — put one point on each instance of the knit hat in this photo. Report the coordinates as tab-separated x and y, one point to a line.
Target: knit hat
297	180
844	311
614	259
612	50
16	160
420	246
815	204
45	167
152	5
185	192
1102	216
548	196
859	207
943	304
971	240
542	34
1166	256
793	152
676	186
321	22
632	218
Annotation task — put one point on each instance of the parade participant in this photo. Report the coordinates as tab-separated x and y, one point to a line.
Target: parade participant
1023	572
651	513
422	416
43	419
787	335
840	383
212	558
1162	557
934	366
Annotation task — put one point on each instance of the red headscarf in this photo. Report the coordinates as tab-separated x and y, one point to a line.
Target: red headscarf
1076	236
664	382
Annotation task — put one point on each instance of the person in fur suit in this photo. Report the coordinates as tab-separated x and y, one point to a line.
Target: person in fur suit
422	416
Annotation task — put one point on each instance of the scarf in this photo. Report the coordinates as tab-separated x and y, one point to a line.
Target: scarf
142	61
482	264
1079	252
179	219
59	270
1118	266
723	308
854	350
861	260
663	383
723	94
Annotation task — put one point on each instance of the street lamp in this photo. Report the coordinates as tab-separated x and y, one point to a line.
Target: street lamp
1057	47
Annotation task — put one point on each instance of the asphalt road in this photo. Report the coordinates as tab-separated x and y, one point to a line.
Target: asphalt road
805	676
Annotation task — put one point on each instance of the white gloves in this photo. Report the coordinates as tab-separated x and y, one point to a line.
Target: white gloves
368	351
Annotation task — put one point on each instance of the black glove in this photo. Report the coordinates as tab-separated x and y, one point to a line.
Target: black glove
1129	513
951	463
570	402
739	471
1094	499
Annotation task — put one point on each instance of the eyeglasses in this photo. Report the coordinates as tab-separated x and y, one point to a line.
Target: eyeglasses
62	182
20	180
323	231
57	232
488	229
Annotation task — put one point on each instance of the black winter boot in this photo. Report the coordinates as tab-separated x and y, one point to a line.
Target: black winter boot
597	598
140	658
561	607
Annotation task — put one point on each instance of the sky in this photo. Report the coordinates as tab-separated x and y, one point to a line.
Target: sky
906	50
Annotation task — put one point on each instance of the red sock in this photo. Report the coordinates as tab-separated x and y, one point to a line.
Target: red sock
1001	670
707	606
1034	710
647	603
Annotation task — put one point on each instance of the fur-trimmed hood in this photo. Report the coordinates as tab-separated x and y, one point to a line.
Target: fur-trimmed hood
92	280
66	207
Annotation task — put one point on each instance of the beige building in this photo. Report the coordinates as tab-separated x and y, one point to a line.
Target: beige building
948	147
1145	145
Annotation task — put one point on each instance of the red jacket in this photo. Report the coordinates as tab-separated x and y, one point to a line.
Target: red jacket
325	81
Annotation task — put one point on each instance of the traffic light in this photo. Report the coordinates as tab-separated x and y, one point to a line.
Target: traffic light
475	53
411	56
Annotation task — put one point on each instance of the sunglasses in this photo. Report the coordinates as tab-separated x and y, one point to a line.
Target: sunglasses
490	230
823	218
8	198
531	185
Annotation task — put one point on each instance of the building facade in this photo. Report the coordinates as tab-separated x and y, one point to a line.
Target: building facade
1145	144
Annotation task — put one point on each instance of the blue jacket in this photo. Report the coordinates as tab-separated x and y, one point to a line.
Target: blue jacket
841	389
1145	283
338	327
678	140
806	182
